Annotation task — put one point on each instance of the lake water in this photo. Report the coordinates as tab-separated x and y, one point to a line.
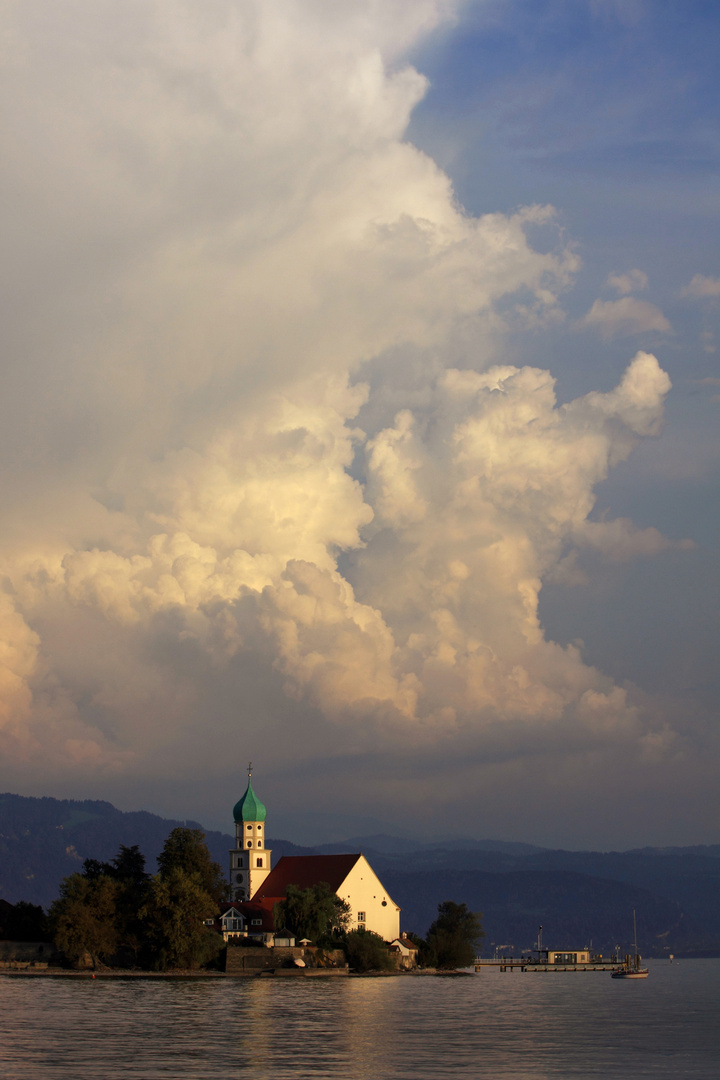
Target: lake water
506	1025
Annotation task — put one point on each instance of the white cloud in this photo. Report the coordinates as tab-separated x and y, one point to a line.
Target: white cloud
629	282
621	540
217	233
625	317
702	288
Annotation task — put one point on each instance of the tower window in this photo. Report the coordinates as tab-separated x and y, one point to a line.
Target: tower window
259	828
249	843
258	862
361	916
249	828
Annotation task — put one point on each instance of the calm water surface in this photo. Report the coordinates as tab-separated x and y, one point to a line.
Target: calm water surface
489	1025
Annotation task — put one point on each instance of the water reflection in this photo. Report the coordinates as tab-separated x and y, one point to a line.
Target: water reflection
530	1027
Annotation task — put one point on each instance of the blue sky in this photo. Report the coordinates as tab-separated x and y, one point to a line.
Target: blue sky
609	111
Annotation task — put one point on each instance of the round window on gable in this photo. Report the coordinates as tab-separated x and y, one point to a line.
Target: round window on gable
384	903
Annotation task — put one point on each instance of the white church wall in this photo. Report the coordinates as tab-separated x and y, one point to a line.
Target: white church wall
366	895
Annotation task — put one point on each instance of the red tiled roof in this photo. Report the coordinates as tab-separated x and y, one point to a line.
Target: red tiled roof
305	871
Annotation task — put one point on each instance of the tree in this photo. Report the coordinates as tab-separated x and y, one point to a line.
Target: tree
367	951
316	913
174	917
82	919
184	894
25	922
133	886
97	911
185	849
94	869
453	938
129	866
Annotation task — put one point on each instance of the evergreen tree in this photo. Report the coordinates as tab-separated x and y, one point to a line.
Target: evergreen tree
94	869
129	866
185	849
133	886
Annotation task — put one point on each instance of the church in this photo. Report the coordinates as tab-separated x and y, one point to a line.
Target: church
255	886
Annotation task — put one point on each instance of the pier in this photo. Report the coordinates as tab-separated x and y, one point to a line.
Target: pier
527	964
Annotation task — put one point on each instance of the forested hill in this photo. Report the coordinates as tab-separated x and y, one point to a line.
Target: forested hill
578	896
44	840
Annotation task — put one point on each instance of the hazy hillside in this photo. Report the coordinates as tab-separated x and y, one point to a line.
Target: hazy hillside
579	897
44	840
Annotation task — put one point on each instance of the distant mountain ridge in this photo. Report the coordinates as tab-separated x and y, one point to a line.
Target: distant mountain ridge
387	844
43	840
578	896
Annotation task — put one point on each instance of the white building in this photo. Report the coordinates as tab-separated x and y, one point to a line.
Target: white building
350	876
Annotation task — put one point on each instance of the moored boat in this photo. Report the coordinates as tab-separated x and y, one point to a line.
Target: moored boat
631	968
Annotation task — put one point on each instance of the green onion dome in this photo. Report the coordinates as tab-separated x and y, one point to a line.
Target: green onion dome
249	808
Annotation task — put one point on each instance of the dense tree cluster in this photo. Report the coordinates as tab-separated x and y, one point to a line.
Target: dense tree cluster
366	951
316	913
320	915
116	912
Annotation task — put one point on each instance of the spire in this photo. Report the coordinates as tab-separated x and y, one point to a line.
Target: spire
249	808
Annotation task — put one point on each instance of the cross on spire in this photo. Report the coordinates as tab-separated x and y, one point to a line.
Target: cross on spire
249	769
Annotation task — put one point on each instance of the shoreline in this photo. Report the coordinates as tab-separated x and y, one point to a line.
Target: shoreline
312	973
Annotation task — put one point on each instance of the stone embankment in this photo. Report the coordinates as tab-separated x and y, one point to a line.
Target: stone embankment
281	961
27	955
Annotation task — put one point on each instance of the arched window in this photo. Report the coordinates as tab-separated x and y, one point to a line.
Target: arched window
258	862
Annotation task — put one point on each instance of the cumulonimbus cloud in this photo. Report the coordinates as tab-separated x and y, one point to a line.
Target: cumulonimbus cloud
225	246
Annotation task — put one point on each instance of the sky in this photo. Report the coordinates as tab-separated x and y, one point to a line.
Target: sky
359	414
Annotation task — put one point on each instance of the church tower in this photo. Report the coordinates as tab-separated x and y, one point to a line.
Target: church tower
249	859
